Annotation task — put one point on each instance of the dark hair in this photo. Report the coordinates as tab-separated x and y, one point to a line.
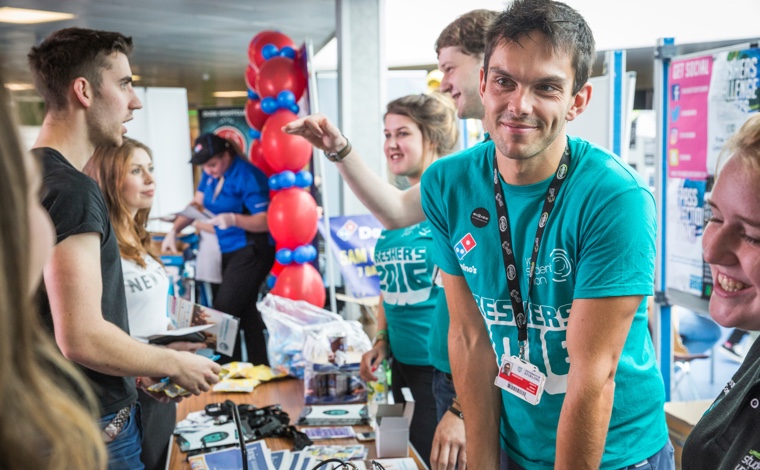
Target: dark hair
435	115
466	32
564	28
68	54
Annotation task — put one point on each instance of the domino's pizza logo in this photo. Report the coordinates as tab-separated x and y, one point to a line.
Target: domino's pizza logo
198	147
347	230
464	246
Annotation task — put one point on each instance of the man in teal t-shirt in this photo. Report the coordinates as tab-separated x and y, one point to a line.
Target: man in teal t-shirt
602	404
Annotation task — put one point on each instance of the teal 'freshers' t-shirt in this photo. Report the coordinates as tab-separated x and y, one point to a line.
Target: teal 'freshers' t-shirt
599	242
403	258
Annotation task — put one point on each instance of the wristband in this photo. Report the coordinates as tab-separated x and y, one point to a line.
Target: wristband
340	154
456	412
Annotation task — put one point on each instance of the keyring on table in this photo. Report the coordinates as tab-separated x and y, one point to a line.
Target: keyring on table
345	465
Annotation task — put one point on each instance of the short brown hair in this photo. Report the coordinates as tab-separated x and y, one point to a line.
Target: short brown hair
564	28
68	54
435	115
467	32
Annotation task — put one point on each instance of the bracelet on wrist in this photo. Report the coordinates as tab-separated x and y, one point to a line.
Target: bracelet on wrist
340	154
457	412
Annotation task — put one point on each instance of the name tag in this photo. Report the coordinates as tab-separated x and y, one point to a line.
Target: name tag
521	379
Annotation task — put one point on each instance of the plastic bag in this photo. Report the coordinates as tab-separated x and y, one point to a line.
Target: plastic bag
333	353
287	322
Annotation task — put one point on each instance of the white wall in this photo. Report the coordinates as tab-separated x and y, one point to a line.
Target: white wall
162	124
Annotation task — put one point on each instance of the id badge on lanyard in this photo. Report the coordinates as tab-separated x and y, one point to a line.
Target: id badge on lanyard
516	375
521	379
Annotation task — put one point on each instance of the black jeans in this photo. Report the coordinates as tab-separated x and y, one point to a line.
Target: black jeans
419	379
243	272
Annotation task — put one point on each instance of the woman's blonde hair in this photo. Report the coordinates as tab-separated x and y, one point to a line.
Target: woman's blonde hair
108	167
47	410
745	145
435	115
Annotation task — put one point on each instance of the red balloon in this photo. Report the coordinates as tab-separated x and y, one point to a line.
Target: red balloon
301	282
251	72
276	268
283	151
262	39
278	74
257	158
292	218
254	116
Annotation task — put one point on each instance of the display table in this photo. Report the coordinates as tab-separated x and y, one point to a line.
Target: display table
286	392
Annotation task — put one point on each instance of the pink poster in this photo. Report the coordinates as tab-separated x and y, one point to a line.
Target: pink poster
689	83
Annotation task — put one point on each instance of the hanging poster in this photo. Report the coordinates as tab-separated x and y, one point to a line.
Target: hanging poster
689	84
686	203
353	240
734	96
228	123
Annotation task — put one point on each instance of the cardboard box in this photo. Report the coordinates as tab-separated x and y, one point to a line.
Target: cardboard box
392	427
681	417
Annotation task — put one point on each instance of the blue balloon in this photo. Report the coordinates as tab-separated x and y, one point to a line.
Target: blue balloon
294	108
269	105
270	281
274	183
252	95
284	256
286	98
301	254
269	51
312	252
286	179
304	179
288	52
254	133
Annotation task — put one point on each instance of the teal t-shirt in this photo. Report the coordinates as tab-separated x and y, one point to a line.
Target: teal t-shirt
439	333
403	258
599	242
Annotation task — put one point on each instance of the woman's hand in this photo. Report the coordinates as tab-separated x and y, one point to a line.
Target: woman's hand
186	346
169	244
371	359
319	131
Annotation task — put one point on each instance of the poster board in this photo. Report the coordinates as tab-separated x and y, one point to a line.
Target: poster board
709	96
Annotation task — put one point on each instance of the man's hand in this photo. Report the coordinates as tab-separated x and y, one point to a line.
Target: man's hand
169	244
224	220
196	373
319	131
449	444
144	383
370	360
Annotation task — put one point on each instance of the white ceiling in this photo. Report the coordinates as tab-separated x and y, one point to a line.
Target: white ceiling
202	45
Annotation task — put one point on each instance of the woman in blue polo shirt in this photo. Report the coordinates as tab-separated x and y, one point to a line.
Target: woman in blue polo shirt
238	193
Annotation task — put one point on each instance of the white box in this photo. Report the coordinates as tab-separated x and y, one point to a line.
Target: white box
392	427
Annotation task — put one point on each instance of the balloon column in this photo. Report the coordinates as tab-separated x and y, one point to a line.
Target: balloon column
275	84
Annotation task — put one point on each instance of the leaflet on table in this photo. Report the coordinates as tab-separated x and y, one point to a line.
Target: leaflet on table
231	459
221	336
330	432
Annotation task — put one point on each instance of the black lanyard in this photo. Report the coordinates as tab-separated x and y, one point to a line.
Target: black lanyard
510	265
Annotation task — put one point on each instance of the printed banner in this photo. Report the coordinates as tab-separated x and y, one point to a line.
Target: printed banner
734	96
229	123
689	83
686	203
352	239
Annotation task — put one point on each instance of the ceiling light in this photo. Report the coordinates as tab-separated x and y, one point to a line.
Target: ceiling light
19	86
136	78
230	94
24	16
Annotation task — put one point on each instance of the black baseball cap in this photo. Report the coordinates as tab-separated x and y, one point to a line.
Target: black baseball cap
208	146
